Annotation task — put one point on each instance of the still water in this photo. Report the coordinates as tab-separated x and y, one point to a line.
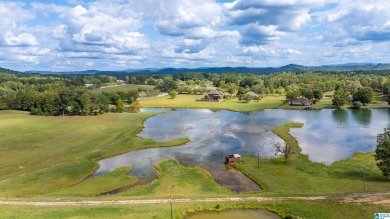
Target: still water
234	214
327	136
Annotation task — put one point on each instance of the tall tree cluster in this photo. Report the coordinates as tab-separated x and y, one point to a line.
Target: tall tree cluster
49	96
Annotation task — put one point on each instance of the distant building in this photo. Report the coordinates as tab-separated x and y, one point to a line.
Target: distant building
253	95
231	158
213	96
120	81
89	85
301	102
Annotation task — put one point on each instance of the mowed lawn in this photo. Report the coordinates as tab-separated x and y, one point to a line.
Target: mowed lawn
189	101
267	102
40	154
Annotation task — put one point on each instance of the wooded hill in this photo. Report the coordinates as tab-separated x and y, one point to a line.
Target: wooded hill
368	68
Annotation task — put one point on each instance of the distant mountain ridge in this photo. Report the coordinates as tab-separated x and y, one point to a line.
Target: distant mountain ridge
220	70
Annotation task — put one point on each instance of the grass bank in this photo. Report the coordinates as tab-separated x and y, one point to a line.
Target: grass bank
303	177
179	181
99	185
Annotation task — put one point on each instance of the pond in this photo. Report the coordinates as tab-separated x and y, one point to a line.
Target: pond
327	136
234	214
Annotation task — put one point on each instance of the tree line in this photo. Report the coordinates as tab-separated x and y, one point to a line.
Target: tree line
50	95
67	94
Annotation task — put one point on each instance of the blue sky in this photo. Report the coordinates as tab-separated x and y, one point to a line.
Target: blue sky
70	35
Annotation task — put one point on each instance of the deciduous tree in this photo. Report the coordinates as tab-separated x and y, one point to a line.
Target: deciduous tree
135	107
173	94
364	95
285	151
339	98
382	152
120	106
292	94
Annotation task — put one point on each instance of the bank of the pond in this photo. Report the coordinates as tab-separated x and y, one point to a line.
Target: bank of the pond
304	177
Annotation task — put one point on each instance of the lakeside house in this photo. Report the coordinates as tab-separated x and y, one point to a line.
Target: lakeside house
231	158
301	102
213	96
253	95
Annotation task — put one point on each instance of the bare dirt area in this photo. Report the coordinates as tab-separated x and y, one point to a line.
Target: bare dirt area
373	198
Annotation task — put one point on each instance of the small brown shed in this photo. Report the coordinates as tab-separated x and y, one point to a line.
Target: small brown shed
232	158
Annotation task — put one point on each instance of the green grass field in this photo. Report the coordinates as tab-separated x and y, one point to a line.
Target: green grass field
47	158
189	101
41	155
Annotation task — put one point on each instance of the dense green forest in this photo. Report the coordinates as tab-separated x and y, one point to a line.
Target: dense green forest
71	94
58	95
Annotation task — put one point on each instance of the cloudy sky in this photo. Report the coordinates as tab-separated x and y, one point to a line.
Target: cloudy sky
67	35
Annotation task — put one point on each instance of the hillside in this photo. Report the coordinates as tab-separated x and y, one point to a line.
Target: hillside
376	68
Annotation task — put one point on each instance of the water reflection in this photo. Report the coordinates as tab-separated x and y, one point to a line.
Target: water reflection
340	116
214	134
363	116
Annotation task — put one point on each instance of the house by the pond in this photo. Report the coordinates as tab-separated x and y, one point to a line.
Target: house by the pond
301	102
213	96
231	158
253	95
